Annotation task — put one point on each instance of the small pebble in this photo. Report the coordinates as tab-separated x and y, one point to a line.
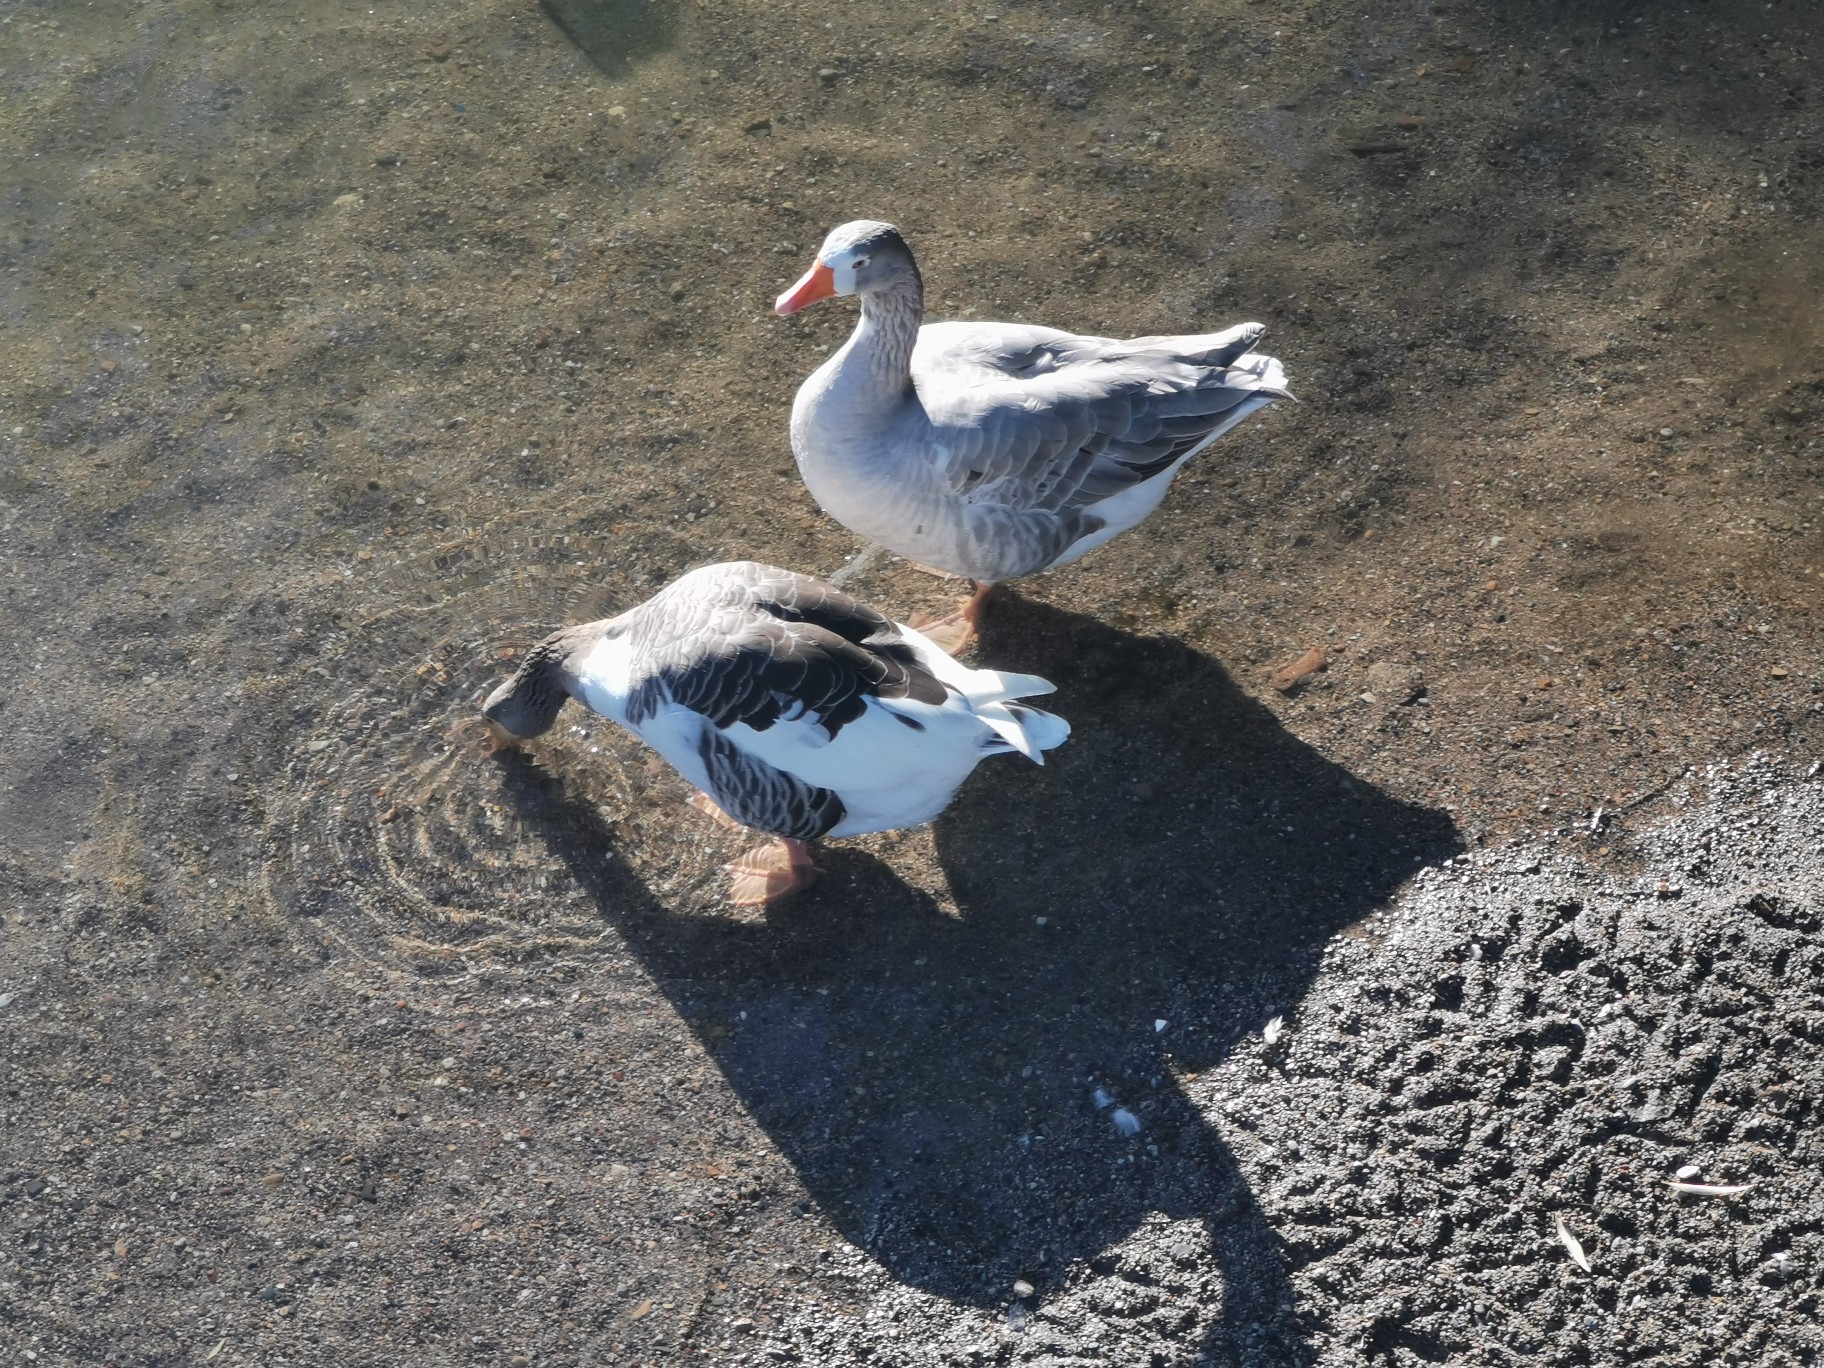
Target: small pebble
1690	1171
1022	1288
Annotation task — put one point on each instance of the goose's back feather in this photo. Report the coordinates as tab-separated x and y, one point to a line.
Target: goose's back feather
1062	422
750	643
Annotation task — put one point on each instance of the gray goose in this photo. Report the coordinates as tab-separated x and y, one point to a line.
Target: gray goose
795	710
996	450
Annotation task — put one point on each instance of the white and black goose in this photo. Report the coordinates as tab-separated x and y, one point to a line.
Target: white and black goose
796	710
995	450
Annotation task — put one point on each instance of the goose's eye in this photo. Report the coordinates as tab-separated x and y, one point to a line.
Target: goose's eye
859	263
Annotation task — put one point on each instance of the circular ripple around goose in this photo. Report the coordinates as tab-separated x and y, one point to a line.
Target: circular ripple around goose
390	828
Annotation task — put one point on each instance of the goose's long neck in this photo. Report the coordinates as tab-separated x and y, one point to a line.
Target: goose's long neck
874	368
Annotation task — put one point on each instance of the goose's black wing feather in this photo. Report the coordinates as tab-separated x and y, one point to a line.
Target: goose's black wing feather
751	643
764	797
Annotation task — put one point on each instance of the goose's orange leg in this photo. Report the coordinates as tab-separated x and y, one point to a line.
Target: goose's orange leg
955	632
703	803
770	872
766	873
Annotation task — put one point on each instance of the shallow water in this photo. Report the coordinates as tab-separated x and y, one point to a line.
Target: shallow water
345	350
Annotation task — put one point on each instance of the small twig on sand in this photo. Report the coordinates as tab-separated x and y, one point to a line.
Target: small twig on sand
1648	794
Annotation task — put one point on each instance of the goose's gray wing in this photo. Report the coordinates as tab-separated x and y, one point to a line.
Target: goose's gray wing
762	796
1036	418
750	643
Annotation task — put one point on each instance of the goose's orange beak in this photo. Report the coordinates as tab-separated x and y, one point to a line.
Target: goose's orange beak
818	283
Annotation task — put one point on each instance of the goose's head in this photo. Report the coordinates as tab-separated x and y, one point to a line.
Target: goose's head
528	703
858	258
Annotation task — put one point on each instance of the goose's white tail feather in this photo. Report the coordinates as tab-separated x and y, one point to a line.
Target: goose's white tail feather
1044	730
995	686
1028	730
1269	375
